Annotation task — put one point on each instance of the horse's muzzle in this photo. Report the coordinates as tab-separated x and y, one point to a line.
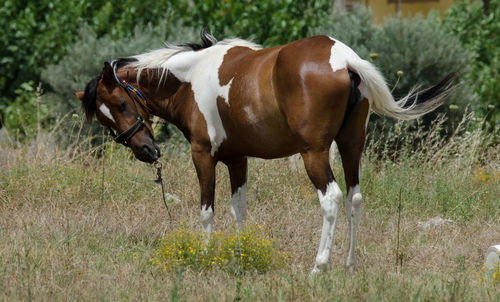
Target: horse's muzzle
148	153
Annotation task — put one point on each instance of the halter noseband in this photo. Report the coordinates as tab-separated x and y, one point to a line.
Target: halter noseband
126	135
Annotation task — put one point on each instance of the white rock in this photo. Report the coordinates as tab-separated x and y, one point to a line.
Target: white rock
174	198
492	258
433	222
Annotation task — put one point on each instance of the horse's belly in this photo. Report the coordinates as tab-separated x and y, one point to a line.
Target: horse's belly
264	138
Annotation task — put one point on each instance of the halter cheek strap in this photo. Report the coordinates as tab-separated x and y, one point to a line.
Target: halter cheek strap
123	137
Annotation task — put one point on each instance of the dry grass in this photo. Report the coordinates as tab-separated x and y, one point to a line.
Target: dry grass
65	238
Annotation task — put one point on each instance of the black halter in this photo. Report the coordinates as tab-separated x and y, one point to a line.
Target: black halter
136	96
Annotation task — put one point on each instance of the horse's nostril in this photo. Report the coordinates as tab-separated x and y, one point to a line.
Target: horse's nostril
150	153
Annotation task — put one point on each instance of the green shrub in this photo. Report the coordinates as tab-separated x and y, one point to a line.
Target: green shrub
266	22
237	252
36	33
479	31
26	114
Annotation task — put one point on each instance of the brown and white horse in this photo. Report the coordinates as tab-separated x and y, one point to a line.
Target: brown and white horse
232	99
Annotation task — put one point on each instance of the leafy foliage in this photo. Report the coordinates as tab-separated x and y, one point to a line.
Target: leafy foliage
37	32
479	31
267	22
26	113
64	44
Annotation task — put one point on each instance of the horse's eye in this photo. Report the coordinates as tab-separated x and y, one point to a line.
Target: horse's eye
123	106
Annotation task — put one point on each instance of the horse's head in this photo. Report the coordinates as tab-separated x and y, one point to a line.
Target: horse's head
123	110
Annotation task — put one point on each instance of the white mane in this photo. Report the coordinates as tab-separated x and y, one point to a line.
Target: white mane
157	59
240	42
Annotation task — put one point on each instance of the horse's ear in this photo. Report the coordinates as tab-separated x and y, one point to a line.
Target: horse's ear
108	76
79	95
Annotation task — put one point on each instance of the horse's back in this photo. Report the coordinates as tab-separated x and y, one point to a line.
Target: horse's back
280	95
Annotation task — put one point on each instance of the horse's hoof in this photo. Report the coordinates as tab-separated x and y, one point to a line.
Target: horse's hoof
350	266
321	267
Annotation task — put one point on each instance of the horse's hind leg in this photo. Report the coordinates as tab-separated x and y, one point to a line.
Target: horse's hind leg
238	175
350	141
330	195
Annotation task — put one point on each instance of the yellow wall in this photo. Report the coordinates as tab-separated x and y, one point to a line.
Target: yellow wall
383	9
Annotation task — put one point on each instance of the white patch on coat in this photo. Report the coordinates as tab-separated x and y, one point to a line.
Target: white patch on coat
340	57
207	219
201	69
239	204
374	87
105	110
329	206
224	91
250	114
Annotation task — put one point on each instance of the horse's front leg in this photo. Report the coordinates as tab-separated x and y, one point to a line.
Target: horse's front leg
205	168
238	175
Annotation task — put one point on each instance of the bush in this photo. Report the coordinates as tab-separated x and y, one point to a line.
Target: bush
26	114
239	252
36	32
478	31
266	22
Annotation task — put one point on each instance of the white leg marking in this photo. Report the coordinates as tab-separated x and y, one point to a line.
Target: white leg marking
353	211
239	205
329	206
105	110
207	220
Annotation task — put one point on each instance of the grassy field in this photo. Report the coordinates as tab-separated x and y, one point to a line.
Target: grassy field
75	227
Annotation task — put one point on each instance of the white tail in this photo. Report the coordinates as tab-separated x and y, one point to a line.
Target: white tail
413	105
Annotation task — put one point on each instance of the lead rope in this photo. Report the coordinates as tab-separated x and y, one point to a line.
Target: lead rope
159	180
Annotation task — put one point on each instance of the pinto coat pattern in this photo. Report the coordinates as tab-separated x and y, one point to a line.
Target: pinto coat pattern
232	99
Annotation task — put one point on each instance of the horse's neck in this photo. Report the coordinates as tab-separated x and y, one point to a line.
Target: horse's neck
168	93
160	91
